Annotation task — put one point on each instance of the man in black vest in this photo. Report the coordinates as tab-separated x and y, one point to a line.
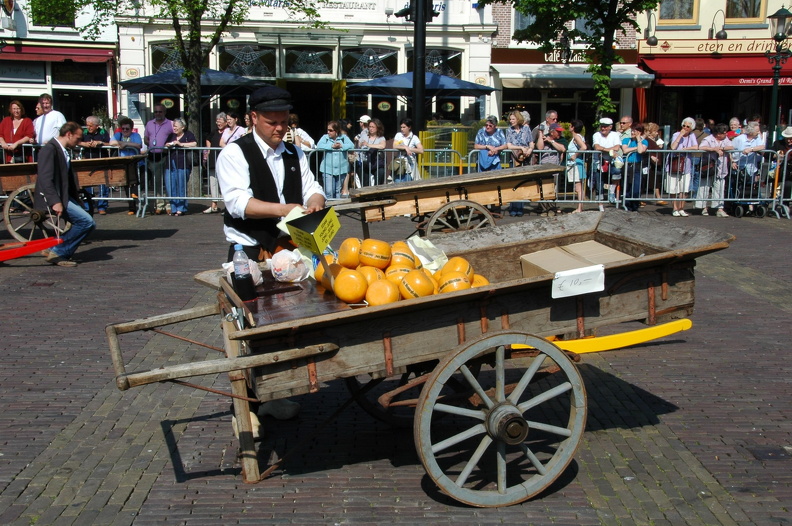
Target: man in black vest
262	178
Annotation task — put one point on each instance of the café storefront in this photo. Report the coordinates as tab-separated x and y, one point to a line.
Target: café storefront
538	81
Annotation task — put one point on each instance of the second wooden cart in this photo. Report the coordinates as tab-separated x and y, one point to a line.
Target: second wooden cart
454	203
18	182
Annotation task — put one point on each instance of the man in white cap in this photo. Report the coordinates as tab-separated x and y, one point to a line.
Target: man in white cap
262	178
604	141
362	137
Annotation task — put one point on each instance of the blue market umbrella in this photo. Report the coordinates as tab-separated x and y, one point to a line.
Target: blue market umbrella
436	85
213	82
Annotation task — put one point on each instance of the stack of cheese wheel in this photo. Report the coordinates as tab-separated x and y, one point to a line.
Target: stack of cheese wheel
381	273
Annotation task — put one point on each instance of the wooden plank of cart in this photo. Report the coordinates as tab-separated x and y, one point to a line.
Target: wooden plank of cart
497	408
454	203
18	181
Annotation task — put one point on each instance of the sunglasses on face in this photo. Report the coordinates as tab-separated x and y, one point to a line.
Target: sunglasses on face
126	129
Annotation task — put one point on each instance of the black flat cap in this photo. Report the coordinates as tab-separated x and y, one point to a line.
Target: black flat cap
271	98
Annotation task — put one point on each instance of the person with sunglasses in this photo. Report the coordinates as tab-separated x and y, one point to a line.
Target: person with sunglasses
634	150
491	141
129	143
625	128
551	117
679	167
335	165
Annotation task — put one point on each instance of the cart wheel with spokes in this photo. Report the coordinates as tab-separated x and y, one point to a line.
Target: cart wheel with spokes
459	215
516	431
24	222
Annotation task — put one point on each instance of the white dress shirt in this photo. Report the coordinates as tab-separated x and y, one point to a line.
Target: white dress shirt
233	174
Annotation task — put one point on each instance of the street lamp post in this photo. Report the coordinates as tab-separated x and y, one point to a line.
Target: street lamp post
780	29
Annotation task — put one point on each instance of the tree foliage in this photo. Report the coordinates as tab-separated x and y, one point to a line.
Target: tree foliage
603	20
198	26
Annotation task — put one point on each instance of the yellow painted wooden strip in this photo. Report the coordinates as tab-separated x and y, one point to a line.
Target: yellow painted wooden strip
621	340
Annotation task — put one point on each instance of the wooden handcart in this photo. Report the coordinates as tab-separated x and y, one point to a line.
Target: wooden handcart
498	409
454	203
18	182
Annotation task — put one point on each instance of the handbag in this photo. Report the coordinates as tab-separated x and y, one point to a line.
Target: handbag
399	166
677	165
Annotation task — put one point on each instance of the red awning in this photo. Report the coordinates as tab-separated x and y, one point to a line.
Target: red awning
82	53
723	70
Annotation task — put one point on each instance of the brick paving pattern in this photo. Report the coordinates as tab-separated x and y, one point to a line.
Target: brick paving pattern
692	429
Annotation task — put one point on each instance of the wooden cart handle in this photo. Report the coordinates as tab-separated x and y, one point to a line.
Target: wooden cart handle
113	330
222	365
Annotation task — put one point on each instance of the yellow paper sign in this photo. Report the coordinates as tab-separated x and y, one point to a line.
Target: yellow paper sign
314	231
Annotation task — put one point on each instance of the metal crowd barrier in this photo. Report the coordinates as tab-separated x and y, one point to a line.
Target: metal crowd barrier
758	184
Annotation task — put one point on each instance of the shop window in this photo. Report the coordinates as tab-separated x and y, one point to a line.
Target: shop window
521	20
249	60
745	10
165	57
446	62
309	60
55	13
582	25
368	63
79	73
679	11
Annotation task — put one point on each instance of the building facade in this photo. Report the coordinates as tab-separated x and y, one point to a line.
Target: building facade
538	81
709	61
367	41
44	53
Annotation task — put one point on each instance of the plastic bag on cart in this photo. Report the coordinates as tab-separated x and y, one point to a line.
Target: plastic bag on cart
255	272
288	266
431	257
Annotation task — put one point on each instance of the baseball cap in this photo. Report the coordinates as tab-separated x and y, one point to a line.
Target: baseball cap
606	121
365	119
555	126
270	98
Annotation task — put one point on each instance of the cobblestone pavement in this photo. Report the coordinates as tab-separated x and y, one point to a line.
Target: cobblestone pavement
692	429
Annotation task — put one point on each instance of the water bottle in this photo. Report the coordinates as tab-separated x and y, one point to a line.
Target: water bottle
243	281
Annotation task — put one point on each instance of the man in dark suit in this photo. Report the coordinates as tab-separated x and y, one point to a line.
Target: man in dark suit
56	189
